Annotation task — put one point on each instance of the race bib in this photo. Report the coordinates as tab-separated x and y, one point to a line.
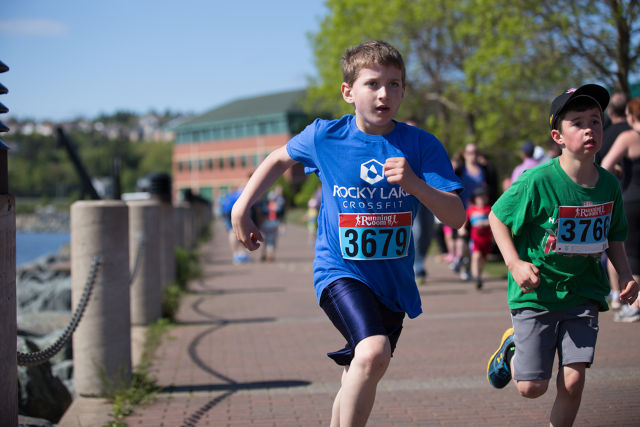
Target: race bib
375	235
583	229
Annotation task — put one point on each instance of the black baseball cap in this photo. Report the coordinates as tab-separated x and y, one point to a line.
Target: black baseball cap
527	148
596	92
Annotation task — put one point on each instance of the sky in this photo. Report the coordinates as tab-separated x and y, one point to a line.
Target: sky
75	58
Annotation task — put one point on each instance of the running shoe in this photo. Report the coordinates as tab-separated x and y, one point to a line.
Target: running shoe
498	371
627	315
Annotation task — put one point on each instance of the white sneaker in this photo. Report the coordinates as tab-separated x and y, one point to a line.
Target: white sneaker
627	315
615	304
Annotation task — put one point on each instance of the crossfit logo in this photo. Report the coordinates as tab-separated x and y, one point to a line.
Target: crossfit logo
371	171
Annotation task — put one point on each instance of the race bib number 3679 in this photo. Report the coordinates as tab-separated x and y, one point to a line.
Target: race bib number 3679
583	229
375	236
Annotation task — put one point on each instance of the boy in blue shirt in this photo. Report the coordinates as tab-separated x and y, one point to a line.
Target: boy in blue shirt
374	173
551	226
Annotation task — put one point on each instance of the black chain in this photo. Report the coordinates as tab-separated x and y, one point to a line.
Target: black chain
39	357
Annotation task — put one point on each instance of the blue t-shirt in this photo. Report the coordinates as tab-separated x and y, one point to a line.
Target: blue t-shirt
364	223
230	200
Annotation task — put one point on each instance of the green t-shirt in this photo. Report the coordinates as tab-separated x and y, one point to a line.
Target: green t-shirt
589	217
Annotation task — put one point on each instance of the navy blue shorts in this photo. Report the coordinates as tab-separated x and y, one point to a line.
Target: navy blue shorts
357	313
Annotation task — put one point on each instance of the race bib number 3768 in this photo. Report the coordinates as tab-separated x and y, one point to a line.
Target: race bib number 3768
583	229
375	235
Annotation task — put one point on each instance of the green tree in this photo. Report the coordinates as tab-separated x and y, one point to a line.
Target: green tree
600	37
38	167
477	70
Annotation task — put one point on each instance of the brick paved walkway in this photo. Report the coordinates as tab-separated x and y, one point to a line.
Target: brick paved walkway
249	350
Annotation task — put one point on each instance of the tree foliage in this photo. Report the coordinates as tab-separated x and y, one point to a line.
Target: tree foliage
477	70
601	37
38	167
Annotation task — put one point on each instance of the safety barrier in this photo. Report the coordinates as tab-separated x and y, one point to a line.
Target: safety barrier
117	251
133	246
8	326
144	280
39	357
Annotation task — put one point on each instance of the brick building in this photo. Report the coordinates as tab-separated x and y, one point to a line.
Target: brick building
214	153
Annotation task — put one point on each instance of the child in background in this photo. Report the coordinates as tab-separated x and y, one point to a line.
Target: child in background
481	237
311	217
237	250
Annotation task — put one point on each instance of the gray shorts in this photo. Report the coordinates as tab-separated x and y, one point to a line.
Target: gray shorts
539	333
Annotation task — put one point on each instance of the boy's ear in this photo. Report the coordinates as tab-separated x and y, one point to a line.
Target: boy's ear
345	88
557	137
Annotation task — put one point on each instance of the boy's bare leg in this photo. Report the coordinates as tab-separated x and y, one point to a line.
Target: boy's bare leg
530	389
460	247
234	243
614	282
477	264
570	385
358	392
614	279
335	409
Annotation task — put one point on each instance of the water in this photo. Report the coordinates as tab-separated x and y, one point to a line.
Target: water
31	246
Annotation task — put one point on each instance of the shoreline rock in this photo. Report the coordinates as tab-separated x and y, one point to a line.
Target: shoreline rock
43	299
43	221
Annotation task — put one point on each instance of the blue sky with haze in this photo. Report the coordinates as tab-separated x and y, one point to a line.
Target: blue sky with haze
72	58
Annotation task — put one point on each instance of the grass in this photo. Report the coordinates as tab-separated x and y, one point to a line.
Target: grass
295	216
142	388
495	268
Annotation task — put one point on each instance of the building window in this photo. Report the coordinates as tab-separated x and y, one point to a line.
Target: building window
232	162
210	163
180	166
256	159
221	163
206	192
243	160
200	164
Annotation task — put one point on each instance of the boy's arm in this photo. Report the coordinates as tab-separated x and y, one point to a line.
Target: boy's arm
265	175
628	286
446	205
524	273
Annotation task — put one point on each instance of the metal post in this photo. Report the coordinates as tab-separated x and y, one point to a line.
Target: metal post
8	322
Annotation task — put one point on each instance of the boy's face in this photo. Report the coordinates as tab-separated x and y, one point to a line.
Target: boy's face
580	132
376	95
481	200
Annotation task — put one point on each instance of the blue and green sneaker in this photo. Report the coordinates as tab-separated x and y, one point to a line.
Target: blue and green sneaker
498	370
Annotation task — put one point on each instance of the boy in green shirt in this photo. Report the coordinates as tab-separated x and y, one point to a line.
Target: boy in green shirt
551	227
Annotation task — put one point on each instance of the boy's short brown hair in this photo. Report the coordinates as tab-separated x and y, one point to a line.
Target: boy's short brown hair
372	52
